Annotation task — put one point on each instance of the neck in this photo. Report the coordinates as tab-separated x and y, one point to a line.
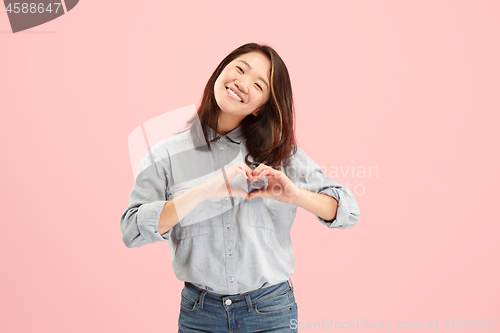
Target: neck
226	123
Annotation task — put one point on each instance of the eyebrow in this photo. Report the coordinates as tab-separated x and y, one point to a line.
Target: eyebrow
260	78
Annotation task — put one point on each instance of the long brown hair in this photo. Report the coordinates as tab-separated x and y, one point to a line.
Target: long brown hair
270	137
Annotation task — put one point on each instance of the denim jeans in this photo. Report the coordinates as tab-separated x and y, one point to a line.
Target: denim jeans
269	309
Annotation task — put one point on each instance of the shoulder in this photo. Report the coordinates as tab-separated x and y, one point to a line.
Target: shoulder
297	155
300	161
161	152
174	144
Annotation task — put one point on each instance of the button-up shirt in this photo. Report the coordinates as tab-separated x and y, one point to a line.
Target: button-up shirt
230	245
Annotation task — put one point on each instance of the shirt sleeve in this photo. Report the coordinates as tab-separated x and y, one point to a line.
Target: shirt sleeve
306	174
139	222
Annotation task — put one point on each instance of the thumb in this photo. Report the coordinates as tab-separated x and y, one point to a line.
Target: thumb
258	194
239	193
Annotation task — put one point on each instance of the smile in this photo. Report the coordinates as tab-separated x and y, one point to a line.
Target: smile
234	95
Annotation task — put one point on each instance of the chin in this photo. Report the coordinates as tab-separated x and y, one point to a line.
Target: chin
226	106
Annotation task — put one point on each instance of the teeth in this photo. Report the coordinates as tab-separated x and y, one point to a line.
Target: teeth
234	94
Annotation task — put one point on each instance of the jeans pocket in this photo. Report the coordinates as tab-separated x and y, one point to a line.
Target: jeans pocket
273	306
189	303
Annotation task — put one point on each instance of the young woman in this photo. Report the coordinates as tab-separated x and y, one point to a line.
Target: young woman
224	194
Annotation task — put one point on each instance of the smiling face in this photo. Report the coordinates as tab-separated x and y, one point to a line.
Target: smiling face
243	86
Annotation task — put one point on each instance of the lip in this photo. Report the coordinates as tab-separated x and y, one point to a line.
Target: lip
236	92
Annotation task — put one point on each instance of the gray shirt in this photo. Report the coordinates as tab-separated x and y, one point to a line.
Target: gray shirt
221	246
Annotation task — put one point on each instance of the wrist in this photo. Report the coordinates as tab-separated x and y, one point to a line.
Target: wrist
300	197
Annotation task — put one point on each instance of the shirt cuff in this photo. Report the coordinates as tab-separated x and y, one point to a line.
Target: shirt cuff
343	210
147	221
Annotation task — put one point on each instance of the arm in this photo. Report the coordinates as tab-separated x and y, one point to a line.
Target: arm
176	209
304	184
322	205
150	217
333	204
139	222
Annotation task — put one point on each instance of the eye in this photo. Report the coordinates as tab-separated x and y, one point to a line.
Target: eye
240	69
259	86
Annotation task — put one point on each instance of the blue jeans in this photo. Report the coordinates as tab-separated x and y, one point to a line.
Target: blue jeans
269	309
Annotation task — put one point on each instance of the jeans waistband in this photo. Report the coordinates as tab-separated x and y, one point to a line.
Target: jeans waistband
232	301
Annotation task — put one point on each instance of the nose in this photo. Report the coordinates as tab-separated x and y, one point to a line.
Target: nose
241	85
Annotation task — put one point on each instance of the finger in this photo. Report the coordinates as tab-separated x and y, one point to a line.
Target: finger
259	168
246	169
262	171
267	172
239	193
243	172
239	169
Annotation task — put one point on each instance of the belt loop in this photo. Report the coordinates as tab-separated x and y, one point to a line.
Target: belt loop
202	298
290	284
249	303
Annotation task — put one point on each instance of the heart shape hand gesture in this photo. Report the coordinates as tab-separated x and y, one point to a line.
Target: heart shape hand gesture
279	188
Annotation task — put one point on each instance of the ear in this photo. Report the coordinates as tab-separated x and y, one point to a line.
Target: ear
256	113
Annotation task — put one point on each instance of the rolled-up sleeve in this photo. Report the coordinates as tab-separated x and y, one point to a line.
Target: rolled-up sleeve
306	174
139	222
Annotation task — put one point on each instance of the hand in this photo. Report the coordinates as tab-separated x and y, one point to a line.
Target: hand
217	187
279	187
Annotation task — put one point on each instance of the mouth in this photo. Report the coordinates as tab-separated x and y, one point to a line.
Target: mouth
233	94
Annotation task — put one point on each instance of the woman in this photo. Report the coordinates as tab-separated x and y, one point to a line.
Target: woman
224	196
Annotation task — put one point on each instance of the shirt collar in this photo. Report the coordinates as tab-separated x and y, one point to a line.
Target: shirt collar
236	135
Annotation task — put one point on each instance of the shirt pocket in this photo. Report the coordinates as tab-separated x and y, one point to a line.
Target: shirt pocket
191	231
262	213
204	214
272	214
191	225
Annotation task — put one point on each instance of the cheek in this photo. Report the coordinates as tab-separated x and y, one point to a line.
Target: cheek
264	99
217	84
219	88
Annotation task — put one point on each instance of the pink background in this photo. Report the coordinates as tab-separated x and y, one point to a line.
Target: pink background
409	88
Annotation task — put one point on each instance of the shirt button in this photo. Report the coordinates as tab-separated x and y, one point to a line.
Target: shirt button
221	148
227	225
230	252
220	139
227	199
228	302
231	279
